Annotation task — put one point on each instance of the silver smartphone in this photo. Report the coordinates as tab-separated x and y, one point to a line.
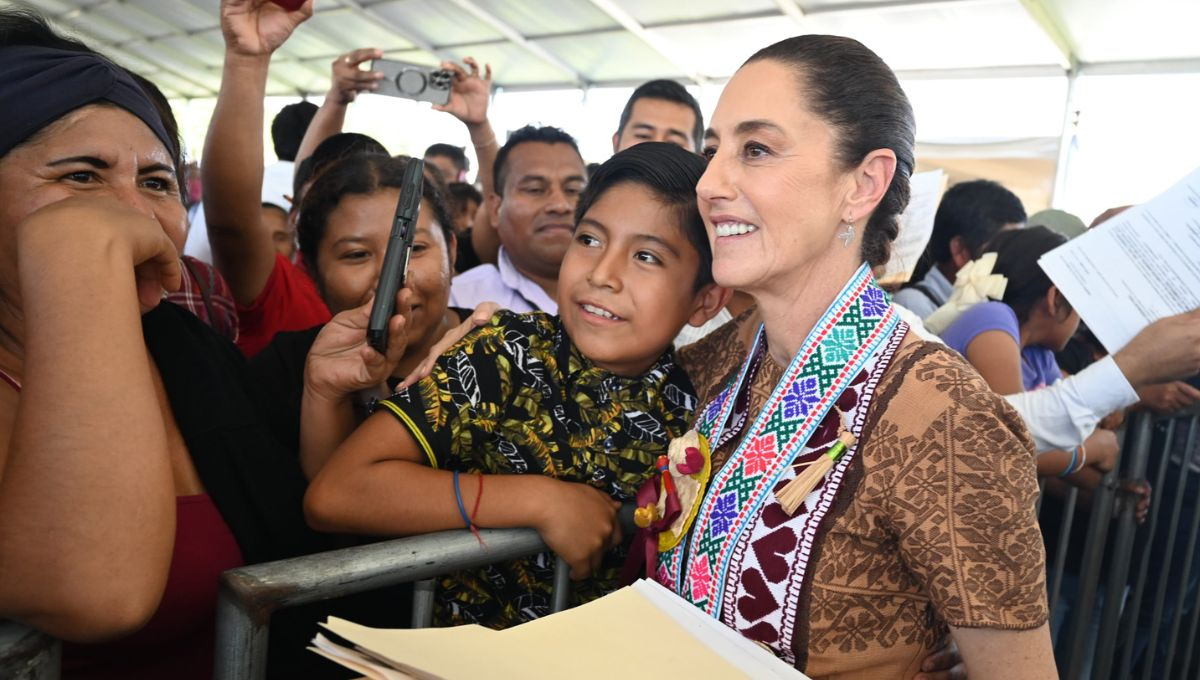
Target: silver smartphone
413	81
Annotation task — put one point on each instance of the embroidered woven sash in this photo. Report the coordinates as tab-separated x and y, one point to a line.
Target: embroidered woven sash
745	560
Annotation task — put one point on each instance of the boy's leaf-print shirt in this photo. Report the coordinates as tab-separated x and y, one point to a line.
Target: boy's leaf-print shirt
517	397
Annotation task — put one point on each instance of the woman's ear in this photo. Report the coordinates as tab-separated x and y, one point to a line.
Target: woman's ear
707	303
872	178
452	251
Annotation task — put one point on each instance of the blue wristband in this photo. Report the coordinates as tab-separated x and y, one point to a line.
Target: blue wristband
1070	468
458	497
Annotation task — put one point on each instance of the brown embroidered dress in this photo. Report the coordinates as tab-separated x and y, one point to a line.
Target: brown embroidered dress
935	525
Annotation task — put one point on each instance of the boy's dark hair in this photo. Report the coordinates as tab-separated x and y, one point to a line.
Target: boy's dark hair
288	128
530	133
973	211
671	91
456	154
1017	252
335	148
849	87
360	174
670	173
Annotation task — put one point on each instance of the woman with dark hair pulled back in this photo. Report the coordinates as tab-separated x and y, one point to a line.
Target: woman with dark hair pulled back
869	494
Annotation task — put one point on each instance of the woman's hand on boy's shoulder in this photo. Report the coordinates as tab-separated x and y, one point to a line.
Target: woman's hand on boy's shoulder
480	317
579	523
341	362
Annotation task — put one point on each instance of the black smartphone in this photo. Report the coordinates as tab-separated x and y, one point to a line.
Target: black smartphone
395	261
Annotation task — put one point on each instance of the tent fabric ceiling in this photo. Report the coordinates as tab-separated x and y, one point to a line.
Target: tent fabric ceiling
542	44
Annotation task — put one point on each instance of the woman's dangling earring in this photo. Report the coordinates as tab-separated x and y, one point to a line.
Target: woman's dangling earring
847	234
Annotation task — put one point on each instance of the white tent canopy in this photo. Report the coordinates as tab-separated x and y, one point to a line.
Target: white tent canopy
1042	79
586	43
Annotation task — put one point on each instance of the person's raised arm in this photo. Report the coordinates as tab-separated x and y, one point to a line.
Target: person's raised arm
233	150
87	503
469	103
346	81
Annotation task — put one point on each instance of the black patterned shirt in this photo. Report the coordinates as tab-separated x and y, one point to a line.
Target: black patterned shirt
517	397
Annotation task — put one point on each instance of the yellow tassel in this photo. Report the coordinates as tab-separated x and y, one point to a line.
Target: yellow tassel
794	492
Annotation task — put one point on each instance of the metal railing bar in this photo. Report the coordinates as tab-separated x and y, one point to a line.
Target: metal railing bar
1195	617
1134	606
1064	544
1185	574
1160	595
249	595
1137	450
1089	577
27	653
422	606
562	585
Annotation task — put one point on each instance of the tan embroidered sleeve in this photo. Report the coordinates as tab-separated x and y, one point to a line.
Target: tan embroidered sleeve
711	360
963	486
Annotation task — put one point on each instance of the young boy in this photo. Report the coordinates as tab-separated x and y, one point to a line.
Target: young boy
544	421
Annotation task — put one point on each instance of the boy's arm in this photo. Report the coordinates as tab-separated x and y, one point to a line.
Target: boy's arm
378	482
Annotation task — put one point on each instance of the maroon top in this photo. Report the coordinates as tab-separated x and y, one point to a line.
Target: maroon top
178	641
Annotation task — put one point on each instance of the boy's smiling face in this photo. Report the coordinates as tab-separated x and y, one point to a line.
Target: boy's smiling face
627	283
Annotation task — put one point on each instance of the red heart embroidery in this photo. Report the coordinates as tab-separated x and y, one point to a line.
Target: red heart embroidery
757	602
770	550
762	632
773	514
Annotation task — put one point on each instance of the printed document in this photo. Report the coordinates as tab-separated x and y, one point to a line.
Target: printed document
1137	267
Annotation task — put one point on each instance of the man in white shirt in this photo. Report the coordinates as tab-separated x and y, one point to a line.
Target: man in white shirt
539	175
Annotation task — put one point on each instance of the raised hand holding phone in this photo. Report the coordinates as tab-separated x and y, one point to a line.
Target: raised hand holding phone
258	27
395	262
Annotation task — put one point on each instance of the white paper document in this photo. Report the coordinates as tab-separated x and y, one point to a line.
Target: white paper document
916	225
1136	268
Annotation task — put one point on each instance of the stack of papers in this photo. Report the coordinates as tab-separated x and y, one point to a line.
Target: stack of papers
643	631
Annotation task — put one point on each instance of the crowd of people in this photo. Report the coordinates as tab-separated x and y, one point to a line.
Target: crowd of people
189	391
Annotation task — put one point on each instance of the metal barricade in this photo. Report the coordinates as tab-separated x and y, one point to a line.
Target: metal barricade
249	595
27	654
1134	610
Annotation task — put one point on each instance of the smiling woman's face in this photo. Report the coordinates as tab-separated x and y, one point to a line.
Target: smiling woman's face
351	253
773	194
